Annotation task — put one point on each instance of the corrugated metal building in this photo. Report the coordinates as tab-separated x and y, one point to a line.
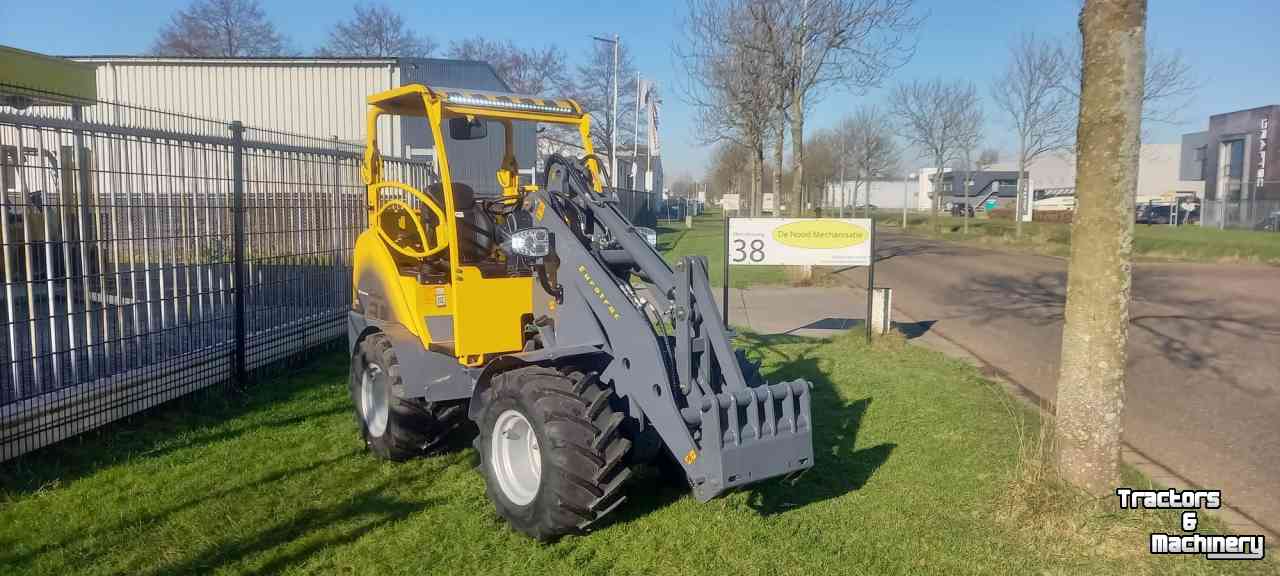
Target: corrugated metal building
317	97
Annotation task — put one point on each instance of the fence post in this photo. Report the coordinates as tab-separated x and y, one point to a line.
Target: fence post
337	234
239	270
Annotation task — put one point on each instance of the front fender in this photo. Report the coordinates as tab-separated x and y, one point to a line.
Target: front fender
534	357
426	374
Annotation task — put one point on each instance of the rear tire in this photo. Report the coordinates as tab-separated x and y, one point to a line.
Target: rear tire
394	427
572	472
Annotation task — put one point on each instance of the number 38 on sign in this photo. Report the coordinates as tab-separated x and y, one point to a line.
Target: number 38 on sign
800	241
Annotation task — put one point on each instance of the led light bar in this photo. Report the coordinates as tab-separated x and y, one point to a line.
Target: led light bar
466	100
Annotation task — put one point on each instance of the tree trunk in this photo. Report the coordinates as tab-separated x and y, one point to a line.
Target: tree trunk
1090	398
937	196
797	154
758	176
853	206
1022	183
778	145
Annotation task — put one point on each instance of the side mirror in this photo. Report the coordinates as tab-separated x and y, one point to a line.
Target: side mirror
467	128
530	242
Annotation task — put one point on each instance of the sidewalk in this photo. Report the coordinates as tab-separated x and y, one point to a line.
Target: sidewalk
809	311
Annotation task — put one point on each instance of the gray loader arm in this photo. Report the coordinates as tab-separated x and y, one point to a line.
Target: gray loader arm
676	367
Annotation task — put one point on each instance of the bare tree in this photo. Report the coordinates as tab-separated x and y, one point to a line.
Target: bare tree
778	136
823	161
530	71
1169	82
594	91
721	82
1041	112
1090	400
988	158
937	118
869	148
219	28
813	45
375	31
729	163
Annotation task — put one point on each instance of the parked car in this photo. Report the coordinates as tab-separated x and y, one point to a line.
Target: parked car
1163	214
1269	224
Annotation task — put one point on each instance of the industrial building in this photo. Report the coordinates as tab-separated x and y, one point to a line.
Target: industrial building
318	97
1231	157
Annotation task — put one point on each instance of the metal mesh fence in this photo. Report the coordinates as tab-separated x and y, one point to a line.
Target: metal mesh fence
638	206
147	255
1251	213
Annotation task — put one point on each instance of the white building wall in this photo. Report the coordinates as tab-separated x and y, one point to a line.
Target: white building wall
1158	175
887	194
320	98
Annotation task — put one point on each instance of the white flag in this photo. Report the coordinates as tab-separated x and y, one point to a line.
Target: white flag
653	108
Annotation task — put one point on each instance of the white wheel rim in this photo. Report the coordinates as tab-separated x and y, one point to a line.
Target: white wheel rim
373	400
517	461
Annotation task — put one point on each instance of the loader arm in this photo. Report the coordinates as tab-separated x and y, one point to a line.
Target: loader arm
726	427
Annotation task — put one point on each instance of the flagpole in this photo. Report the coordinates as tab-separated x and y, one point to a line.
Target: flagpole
635	137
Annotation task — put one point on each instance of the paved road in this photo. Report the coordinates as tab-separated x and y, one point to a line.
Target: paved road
1203	394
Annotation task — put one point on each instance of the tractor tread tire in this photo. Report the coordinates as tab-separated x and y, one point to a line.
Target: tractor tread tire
584	457
415	427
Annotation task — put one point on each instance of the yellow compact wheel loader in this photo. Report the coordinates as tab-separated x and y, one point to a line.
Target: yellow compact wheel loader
541	314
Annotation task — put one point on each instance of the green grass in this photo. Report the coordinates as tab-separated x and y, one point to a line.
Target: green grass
1181	243
920	469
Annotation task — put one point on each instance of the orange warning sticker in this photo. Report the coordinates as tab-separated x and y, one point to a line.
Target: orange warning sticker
691	457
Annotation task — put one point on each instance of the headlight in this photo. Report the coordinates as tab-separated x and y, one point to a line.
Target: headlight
530	242
649	234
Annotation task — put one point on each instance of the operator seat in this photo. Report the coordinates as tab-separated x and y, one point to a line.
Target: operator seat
475	229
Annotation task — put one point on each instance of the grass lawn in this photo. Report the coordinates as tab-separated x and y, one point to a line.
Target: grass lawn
921	468
1183	243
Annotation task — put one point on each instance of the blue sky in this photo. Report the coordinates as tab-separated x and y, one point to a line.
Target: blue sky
1225	43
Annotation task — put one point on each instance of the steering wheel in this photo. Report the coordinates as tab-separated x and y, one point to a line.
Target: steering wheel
422	246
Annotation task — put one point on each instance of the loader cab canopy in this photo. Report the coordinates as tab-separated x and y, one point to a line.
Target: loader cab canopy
466	124
409	101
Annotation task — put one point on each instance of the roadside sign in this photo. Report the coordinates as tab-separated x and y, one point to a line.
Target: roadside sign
800	241
766	202
729	202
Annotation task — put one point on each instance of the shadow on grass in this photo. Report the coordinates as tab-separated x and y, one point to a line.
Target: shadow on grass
840	466
368	509
121	526
150	433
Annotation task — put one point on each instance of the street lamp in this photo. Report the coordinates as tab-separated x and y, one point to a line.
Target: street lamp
613	109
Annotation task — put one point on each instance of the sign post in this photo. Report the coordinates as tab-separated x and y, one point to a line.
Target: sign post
724	296
727	202
802	242
871	276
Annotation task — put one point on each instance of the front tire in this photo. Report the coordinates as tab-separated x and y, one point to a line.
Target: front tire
552	450
395	427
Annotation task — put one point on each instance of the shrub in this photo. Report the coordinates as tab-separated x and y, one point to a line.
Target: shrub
1060	216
